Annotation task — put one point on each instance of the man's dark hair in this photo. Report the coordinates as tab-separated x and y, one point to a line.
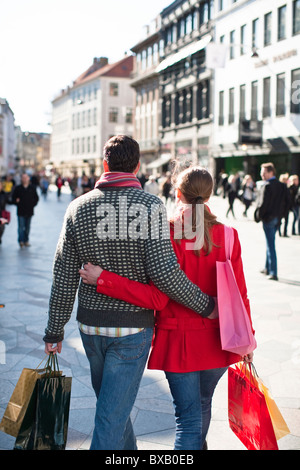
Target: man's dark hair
269	167
122	153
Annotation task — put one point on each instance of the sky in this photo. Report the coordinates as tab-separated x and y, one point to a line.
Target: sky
46	44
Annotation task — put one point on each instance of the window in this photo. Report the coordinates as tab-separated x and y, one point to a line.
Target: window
280	101
242	101
149	57
254	33
221	108
95	116
231	106
254	101
221	5
281	23
94	143
189	24
113	114
129	116
268	29
232	44
296	17
295	92
113	89
82	145
267	97
243	34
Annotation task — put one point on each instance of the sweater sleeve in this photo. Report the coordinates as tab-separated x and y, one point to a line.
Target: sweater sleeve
136	293
64	285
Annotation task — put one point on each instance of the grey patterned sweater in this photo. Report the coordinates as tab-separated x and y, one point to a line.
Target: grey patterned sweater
123	230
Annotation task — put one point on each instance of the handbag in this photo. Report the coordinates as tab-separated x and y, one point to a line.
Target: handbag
6	215
235	326
45	424
248	414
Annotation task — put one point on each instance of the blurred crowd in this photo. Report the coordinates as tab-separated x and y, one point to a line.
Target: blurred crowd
244	188
233	187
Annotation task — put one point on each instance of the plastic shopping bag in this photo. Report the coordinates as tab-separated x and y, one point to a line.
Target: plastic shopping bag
248	414
235	326
279	425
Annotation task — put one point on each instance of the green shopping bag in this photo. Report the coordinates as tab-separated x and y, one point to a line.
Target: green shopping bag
45	424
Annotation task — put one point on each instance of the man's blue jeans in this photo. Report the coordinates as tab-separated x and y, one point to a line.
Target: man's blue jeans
117	366
23	228
270	229
192	396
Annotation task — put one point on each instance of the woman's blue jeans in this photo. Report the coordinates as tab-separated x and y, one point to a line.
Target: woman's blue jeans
270	229
117	366
192	397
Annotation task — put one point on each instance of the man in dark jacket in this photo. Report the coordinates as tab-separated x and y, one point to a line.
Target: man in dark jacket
271	204
25	197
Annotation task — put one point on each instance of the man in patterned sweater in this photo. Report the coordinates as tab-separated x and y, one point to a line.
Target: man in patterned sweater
123	229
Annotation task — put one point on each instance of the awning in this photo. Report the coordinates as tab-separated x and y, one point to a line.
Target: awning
184	52
162	160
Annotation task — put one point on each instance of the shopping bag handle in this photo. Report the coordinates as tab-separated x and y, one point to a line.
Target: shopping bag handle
252	371
52	366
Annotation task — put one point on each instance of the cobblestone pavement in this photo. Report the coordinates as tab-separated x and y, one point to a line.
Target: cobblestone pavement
25	281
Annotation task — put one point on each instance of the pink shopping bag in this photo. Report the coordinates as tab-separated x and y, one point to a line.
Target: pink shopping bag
235	327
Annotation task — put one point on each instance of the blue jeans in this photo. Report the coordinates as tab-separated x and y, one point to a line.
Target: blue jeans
23	228
192	396
270	229
117	366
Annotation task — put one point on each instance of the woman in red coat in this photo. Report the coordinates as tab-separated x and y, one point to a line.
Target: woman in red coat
186	346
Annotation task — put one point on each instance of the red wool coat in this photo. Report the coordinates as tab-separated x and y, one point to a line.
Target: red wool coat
183	340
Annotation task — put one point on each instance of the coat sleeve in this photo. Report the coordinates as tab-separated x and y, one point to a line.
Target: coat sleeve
136	293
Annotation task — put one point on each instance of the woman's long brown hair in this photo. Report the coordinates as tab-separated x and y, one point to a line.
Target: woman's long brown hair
196	185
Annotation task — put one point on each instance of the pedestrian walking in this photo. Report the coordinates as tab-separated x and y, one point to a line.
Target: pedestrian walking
248	186
271	205
232	188
44	185
151	186
3	201
186	346
25	197
294	190
59	183
99	228
166	188
285	216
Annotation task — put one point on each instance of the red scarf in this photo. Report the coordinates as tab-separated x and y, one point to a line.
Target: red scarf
114	178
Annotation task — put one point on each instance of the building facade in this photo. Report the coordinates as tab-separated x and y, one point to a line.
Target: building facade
257	88
99	104
146	86
7	138
185	82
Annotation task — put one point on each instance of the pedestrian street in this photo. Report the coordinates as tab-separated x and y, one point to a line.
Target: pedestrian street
25	282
